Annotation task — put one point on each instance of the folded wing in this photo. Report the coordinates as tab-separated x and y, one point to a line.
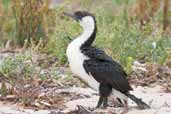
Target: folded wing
105	70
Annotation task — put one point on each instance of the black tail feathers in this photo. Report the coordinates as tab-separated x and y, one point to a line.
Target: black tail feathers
139	102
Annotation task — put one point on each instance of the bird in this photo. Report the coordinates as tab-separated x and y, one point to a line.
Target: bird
93	66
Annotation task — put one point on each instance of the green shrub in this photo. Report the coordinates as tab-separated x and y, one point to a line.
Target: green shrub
64	32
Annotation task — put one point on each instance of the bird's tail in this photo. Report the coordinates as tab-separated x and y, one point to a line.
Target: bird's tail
139	102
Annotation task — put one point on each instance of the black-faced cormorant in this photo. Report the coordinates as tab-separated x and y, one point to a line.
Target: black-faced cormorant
94	67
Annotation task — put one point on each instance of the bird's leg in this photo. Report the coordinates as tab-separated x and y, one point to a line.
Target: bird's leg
125	108
104	91
105	99
100	102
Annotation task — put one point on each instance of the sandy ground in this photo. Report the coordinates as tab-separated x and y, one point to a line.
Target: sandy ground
159	101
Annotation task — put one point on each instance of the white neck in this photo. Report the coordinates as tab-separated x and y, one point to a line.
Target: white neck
76	58
88	25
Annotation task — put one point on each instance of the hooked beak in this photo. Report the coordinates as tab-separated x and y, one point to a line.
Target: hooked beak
70	15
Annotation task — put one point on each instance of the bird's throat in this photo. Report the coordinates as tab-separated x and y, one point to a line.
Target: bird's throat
88	35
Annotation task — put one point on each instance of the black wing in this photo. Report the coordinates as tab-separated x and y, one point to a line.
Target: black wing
107	72
95	53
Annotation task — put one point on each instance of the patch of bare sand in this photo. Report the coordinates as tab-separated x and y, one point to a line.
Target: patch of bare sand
159	101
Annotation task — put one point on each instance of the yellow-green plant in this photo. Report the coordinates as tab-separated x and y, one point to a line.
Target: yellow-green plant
25	19
3	89
31	19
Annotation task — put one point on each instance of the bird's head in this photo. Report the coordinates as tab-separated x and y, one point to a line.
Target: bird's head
84	18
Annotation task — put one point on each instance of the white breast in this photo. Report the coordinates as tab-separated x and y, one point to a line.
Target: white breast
76	59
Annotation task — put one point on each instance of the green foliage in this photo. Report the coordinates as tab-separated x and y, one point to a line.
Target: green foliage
63	34
29	19
57	45
86	3
119	2
129	62
6	3
53	73
13	64
126	42
3	89
25	20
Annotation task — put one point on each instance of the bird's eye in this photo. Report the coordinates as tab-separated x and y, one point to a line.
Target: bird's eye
79	17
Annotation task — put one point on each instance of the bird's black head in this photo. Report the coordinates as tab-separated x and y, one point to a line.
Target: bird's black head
79	15
85	19
88	23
